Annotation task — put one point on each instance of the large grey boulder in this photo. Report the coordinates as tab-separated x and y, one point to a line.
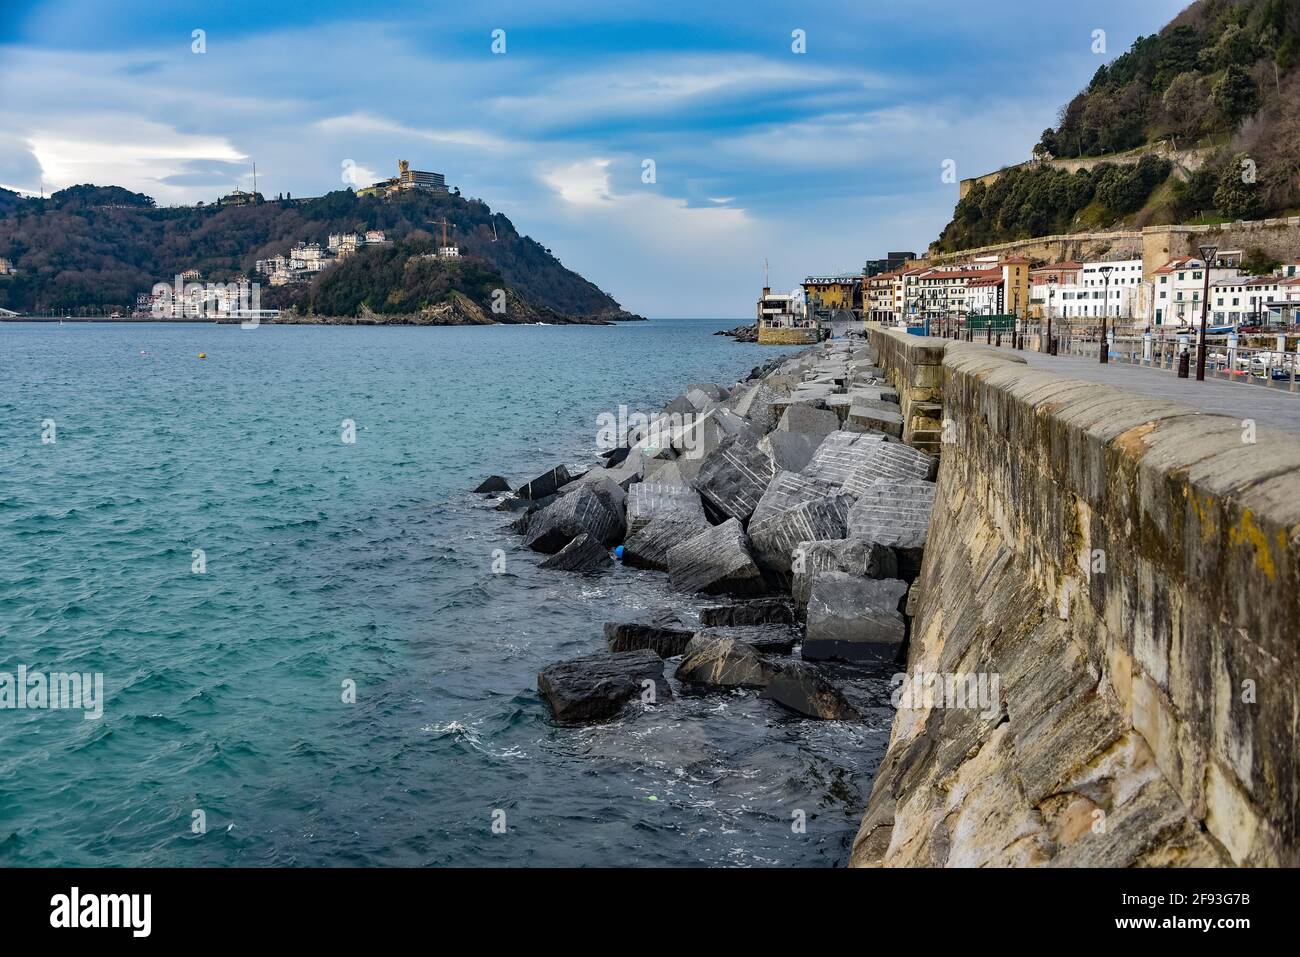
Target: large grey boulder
759	611
715	392
548	483
584	555
681	405
804	690
648	501
718	662
569	516
841	455
808	420
614	482
869	416
755	405
896	514
662	472
854	619
716	561
773	540
733	478
789	490
649	547
596	687
662	631
790	451
765	639
493	483
889	462
852	556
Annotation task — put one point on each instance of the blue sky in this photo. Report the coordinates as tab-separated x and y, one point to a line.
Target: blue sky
815	161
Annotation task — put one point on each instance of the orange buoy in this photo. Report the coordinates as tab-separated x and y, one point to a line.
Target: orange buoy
203	355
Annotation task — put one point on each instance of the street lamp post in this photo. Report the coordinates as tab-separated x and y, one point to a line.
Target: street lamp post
1051	298
1208	253
1105	311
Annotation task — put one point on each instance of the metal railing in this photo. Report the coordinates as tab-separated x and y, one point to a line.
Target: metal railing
1161	348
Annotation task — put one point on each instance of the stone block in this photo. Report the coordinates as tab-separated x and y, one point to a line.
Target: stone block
716	561
733	478
717	662
852	556
584	555
569	516
854	619
596	687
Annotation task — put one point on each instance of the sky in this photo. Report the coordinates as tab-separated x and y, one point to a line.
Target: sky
663	150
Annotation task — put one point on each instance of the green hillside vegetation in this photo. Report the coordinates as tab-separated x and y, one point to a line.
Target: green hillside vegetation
1223	78
1042	200
90	246
399	279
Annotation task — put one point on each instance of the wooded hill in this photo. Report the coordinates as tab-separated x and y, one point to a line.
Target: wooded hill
91	246
1223	78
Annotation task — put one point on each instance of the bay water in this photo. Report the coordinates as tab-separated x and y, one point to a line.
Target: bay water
199	532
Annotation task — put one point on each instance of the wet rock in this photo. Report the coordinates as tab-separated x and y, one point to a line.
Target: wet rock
649	547
615	456
765	639
596	687
716	561
649	501
493	483
548	483
760	611
663	632
569	516
802	689
733	478
718	662
854	619
774	540
612	484
851	556
584	555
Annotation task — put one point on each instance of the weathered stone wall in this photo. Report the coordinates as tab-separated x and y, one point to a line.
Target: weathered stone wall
1185	163
1129	569
787	336
914	365
1154	245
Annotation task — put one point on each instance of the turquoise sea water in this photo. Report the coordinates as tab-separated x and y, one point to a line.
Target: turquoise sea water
370	562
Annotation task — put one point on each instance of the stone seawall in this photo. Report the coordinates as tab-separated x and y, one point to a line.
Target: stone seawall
788	336
1128	570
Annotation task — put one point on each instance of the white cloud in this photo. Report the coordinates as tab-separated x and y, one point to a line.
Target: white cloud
123	150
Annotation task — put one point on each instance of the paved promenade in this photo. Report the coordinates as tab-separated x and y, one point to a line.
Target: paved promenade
1276	408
